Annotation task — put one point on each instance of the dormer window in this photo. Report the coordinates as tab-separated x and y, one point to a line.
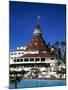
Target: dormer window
35	43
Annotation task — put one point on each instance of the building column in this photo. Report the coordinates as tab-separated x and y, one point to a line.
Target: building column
28	59
40	59
34	60
23	59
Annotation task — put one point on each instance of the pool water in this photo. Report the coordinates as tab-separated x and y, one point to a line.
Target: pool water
37	83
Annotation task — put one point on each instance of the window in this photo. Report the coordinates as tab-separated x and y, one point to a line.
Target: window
26	59
47	65
35	43
14	60
42	59
21	60
14	57
18	53
30	65
52	58
11	53
17	60
31	59
36	59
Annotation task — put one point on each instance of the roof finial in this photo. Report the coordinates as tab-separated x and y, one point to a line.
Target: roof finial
38	18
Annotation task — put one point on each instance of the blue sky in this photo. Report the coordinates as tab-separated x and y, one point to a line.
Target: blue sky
23	19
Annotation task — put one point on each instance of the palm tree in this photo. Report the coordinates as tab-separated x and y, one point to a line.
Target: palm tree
61	72
56	48
48	45
63	44
15	79
59	53
64	59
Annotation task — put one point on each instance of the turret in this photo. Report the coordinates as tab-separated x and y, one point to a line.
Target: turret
37	30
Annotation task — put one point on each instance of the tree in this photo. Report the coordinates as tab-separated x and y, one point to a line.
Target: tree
56	44
15	78
59	53
49	46
64	58
56	48
63	44
59	56
61	72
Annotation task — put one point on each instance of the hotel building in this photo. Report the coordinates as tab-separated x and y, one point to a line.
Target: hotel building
37	54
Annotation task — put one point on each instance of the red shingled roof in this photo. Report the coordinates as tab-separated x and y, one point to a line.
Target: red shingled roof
37	43
37	55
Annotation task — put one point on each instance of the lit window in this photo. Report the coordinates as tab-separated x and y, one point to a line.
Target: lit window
35	43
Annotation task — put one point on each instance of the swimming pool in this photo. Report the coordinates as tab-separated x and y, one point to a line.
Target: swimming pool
37	83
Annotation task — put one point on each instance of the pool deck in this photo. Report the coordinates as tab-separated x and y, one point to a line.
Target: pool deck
45	79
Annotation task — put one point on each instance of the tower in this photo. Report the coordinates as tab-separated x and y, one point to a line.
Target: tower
37	42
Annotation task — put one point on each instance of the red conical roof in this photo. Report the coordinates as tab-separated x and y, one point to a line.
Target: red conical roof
37	42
